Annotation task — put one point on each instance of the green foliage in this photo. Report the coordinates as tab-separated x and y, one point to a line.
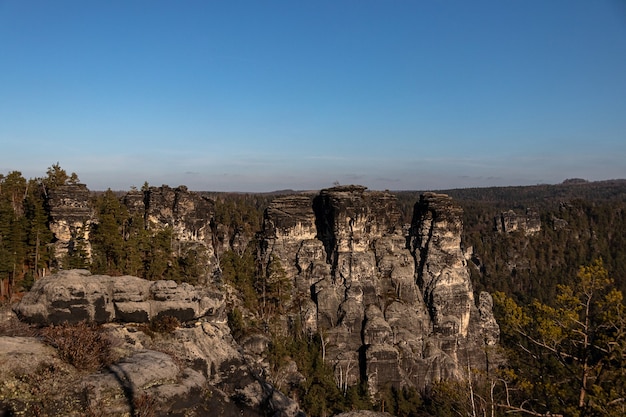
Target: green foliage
38	233
318	392
240	271
57	176
240	213
448	398
238	327
25	253
571	356
77	256
402	402
157	258
107	235
274	288
122	244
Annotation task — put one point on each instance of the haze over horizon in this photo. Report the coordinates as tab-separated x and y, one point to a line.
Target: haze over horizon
262	96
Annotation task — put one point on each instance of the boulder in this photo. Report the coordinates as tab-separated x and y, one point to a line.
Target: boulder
76	295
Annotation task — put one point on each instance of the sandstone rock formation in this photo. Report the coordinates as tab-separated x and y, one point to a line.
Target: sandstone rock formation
71	217
197	370
510	221
189	215
393	306
76	295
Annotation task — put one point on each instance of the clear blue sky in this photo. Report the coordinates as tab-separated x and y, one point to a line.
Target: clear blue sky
266	95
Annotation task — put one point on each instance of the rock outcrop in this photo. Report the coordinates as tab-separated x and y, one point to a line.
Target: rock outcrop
198	369
189	215
76	295
71	217
394	307
510	221
195	371
393	304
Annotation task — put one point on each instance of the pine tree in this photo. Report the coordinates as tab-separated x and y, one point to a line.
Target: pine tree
573	353
38	232
107	235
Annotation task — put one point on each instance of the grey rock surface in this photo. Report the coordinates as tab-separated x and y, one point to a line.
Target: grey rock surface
76	295
394	304
195	371
509	221
71	218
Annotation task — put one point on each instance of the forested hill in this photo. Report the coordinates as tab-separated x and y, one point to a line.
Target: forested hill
580	221
543	196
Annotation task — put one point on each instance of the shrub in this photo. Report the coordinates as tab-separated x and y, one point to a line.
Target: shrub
145	405
164	324
237	324
83	345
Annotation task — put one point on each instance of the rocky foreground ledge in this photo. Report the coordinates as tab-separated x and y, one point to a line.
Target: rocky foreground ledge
195	369
76	295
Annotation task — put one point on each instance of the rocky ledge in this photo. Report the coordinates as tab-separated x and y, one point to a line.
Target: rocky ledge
194	369
76	295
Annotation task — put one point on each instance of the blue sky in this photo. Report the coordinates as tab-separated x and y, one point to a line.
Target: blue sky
266	95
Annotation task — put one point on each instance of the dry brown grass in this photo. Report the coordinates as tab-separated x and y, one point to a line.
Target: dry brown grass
164	324
83	345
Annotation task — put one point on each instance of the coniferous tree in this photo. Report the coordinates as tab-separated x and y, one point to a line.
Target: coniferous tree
136	244
107	235
573	353
38	233
13	189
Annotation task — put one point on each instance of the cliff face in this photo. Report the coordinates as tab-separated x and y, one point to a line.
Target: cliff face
187	213
71	217
394	306
76	295
393	303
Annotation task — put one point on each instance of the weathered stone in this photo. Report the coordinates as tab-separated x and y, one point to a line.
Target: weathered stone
382	367
441	267
202	370
376	330
509	221
491	330
76	295
71	218
190	217
393	303
25	354
189	214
